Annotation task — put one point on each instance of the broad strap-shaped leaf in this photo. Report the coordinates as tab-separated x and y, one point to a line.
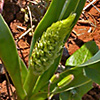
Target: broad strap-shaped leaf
24	71
39	96
92	68
10	58
93	73
93	60
83	54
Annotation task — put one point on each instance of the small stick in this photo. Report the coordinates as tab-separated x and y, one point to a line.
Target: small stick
26	32
89	5
34	2
94	6
95	25
86	22
21	27
30	14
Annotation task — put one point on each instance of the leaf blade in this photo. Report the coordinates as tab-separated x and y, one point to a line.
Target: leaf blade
9	56
83	54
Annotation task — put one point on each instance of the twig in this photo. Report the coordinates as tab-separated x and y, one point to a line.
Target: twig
30	14
21	27
26	32
34	2
89	5
92	24
86	22
95	25
94	6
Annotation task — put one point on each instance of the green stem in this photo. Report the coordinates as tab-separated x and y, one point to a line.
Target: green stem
30	82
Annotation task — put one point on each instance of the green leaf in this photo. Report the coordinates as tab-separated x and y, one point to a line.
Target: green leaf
30	82
93	73
78	10
77	93
93	60
83	54
39	96
10	58
68	8
24	71
92	68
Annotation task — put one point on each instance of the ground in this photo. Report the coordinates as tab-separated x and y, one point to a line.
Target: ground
86	29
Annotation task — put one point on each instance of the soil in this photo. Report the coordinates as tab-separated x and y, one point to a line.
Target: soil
86	29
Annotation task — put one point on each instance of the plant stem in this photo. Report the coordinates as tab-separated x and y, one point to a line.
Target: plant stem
30	82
